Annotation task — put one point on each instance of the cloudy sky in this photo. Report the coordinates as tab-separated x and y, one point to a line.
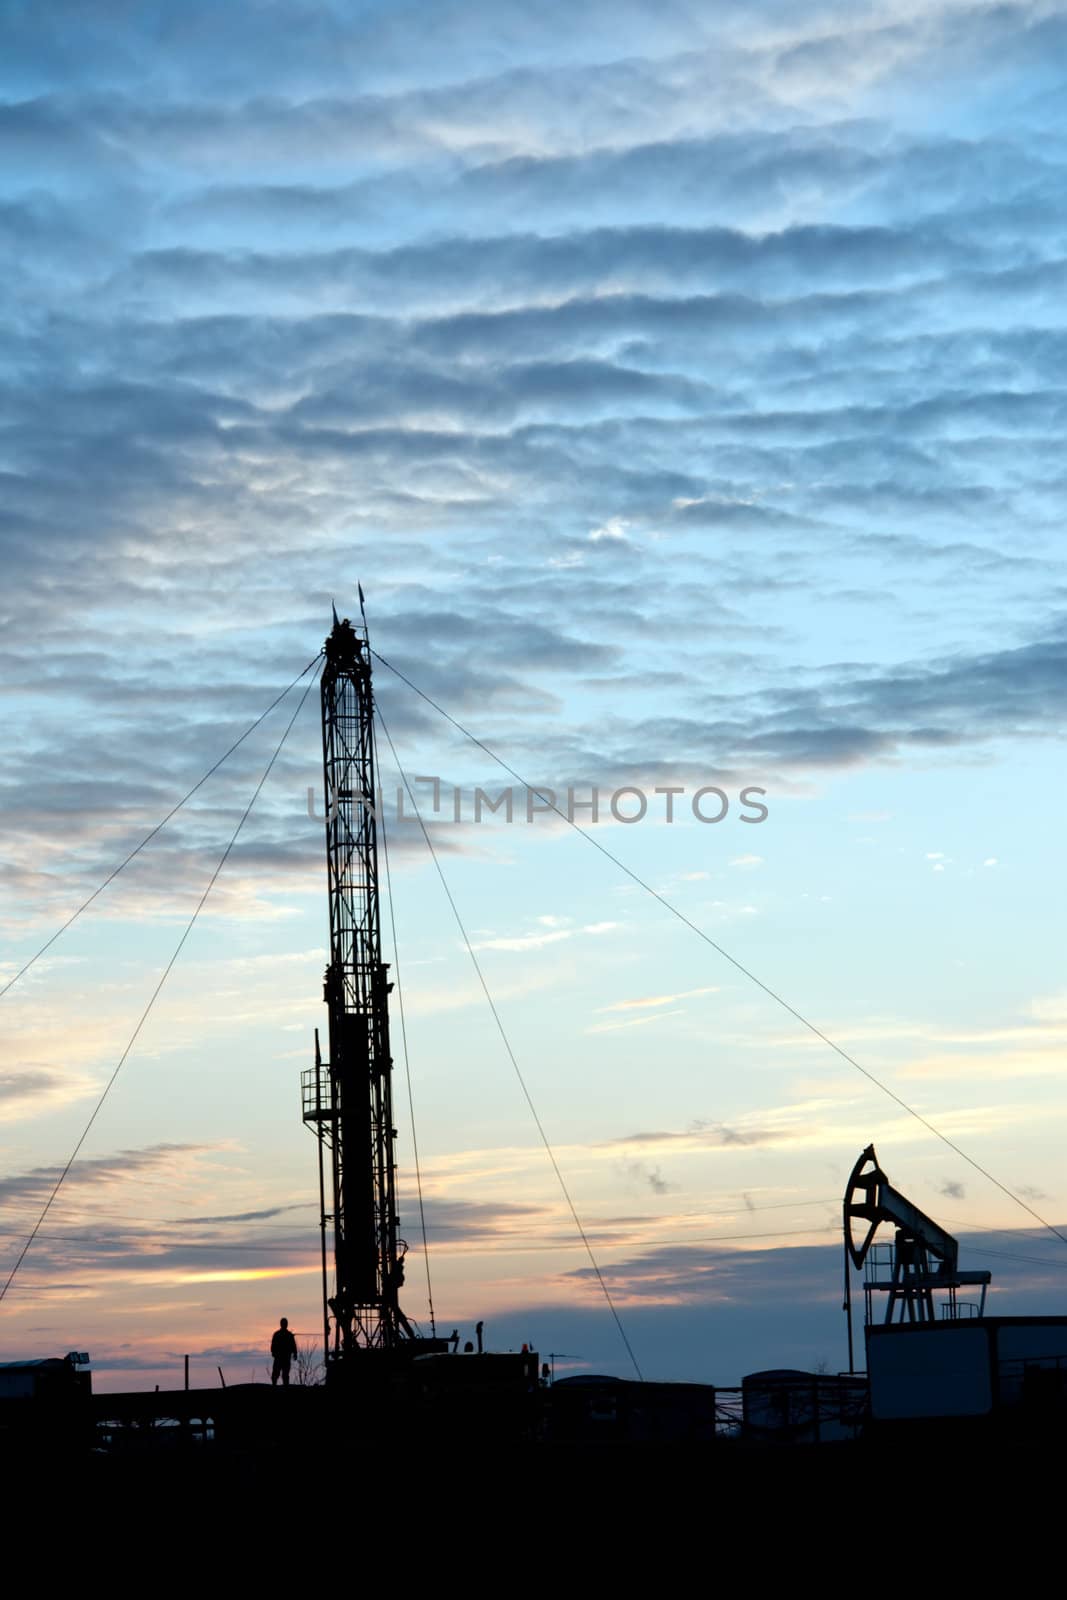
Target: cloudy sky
684	386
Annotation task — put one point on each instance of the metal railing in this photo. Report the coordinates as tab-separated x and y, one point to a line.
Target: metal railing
316	1094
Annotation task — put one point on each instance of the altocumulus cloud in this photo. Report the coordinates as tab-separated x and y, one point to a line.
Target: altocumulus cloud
332	304
431	298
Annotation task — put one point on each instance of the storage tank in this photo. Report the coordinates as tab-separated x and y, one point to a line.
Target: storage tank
787	1406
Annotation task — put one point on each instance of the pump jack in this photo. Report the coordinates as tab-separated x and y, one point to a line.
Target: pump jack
923	1257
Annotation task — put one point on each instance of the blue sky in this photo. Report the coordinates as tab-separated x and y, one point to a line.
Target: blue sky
684	386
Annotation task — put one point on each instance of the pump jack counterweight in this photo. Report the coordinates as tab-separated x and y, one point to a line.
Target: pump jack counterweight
348	1099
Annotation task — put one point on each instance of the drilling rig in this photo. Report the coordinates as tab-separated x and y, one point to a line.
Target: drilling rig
348	1100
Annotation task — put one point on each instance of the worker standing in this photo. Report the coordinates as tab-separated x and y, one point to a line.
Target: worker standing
283	1349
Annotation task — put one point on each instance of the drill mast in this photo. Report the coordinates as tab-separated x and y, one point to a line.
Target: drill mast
348	1100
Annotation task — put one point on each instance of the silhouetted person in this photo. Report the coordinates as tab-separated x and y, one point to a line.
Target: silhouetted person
478	1326
283	1349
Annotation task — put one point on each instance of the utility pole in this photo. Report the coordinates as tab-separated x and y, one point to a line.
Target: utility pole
348	1099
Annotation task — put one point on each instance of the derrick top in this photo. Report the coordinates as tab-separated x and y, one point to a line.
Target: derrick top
343	647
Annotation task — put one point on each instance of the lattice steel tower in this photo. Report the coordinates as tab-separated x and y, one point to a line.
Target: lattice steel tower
348	1100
